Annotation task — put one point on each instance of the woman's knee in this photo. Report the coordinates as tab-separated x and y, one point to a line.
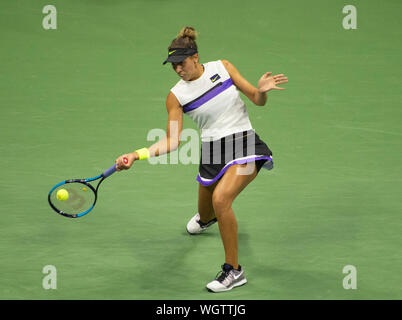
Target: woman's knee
221	201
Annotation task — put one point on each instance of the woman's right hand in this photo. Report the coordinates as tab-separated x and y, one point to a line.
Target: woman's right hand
125	161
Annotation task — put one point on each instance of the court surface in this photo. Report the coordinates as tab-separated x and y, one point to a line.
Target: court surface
75	98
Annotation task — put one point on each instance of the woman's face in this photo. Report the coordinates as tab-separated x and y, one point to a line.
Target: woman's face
187	69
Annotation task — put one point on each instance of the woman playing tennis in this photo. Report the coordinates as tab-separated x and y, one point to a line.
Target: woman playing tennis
232	153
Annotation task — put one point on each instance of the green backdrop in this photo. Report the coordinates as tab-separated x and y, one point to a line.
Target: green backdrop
75	98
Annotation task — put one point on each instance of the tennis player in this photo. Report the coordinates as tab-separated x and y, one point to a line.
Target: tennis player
232	153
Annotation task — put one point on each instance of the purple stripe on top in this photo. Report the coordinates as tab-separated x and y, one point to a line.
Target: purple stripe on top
220	174
213	93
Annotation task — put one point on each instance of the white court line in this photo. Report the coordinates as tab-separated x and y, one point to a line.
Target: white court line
367	129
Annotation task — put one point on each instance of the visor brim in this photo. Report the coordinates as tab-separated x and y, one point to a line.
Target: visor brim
175	59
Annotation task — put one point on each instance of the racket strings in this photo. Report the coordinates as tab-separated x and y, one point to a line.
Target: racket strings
80	198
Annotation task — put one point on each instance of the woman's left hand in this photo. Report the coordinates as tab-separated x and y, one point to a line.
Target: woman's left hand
268	82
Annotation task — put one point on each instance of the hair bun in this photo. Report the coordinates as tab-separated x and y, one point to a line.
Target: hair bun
188	32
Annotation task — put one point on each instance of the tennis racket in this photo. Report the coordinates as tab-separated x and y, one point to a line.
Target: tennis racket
79	195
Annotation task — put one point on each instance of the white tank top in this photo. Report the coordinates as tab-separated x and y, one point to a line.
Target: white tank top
213	102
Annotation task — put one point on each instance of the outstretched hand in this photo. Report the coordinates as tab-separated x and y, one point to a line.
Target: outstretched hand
268	82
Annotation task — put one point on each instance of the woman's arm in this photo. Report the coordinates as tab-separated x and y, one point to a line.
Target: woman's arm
256	95
168	144
174	127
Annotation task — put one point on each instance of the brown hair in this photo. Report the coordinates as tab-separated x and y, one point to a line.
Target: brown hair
185	39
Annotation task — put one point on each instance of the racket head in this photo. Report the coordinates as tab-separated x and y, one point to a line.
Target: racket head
80	201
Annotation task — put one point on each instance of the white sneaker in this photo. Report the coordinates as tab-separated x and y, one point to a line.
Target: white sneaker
227	280
195	226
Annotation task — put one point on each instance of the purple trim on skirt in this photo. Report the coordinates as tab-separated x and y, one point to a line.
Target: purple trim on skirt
225	85
220	174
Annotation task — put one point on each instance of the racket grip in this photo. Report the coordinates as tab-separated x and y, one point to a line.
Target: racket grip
109	171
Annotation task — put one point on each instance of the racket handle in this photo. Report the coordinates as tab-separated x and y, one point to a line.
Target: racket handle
112	169
109	171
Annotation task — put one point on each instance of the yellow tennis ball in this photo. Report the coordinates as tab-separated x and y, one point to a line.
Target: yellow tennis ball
62	195
84	189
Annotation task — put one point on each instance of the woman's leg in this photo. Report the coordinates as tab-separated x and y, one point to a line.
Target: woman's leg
205	207
227	189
